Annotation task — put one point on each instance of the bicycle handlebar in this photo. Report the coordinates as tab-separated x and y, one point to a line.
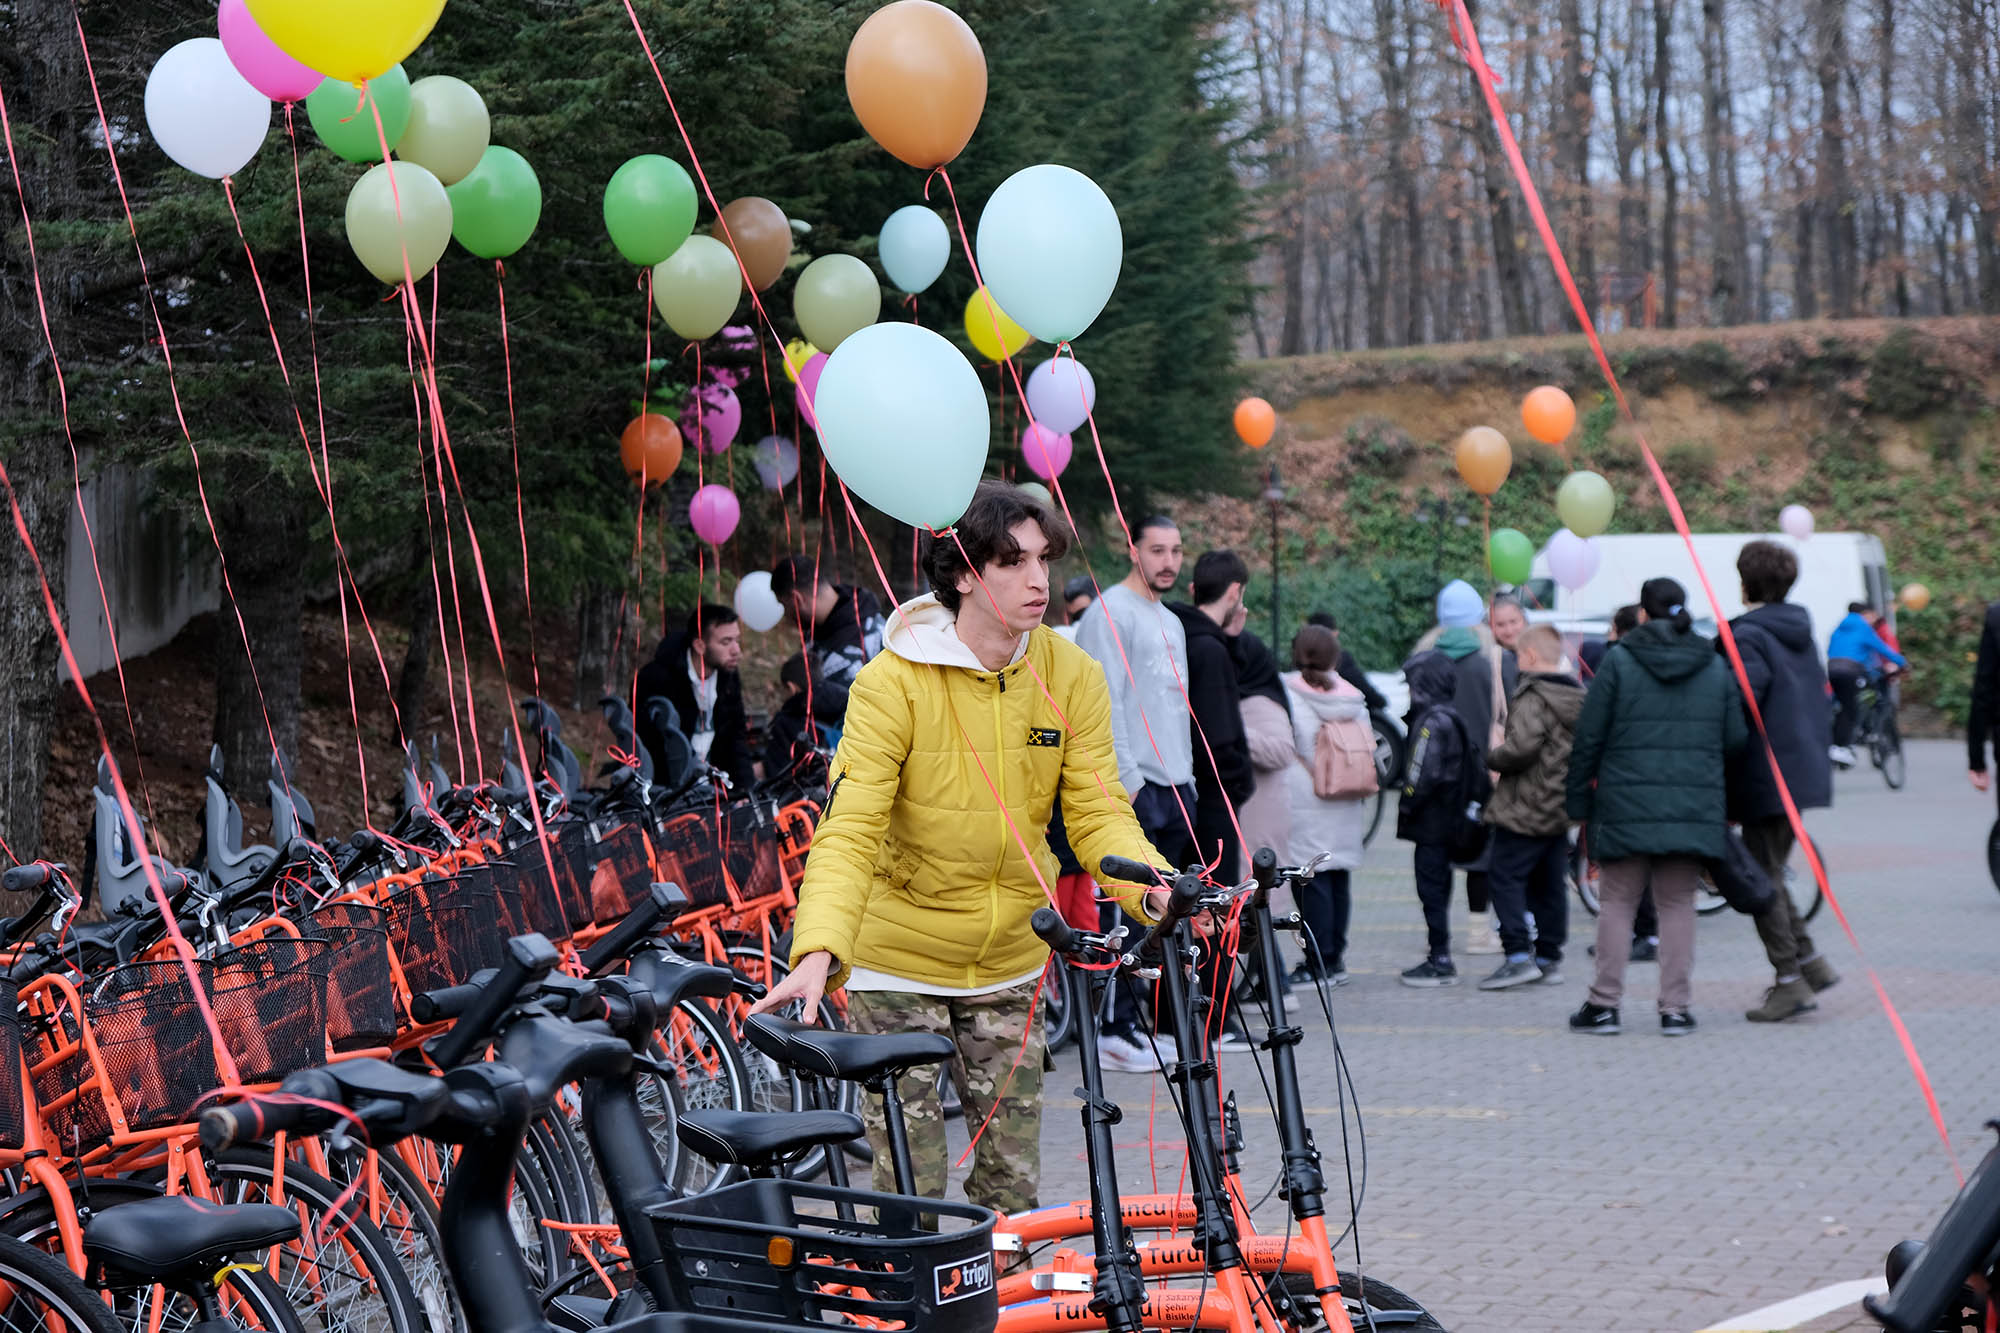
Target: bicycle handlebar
1129	871
529	959
1181	904
29	878
662	902
1050	927
1961	1245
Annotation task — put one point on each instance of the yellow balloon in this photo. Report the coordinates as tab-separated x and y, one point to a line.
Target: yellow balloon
981	315
797	352
352	40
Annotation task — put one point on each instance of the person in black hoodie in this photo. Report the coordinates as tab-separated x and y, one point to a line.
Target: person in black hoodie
1223	777
1982	723
796	734
1781	659
842	624
1441	756
695	671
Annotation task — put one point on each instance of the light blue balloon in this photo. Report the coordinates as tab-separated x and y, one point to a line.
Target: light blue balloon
1049	248
903	420
914	245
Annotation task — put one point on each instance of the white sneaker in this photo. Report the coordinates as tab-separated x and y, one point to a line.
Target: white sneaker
1169	1049
1231	1042
1480	937
1122	1055
1841	754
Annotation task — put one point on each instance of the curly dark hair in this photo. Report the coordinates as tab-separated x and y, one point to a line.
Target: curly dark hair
1768	571
984	534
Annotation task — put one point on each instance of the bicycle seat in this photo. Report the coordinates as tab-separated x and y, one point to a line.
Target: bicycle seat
757	1139
863	1057
176	1240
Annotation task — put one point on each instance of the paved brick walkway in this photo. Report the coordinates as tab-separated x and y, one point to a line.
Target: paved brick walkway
1521	1177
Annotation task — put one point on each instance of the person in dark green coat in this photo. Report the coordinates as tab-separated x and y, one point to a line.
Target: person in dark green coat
1647	775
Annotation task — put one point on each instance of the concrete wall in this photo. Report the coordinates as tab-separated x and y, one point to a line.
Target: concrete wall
158	571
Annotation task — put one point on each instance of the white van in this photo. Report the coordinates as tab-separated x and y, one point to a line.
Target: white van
1835	568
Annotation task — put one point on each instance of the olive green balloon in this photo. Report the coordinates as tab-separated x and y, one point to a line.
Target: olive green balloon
697	287
385	224
836	295
649	208
1585	502
350	131
494	209
449	128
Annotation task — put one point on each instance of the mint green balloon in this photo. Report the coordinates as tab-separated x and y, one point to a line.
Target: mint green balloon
495	206
349	131
649	208
1585	502
903	419
1511	555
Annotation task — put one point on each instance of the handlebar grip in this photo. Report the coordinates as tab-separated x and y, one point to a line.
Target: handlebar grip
258	1118
1180	905
529	959
635	929
449	1002
1050	927
1264	869
1128	871
1959	1247
28	878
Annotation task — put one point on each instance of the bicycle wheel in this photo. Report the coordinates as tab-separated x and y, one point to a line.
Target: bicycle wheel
401	1207
1886	749
45	1297
344	1277
1582	872
1799	882
1389	751
1368	1303
709	1074
1058	1007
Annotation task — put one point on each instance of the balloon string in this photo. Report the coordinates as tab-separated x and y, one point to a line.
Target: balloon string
520	509
451	556
1467	38
425	454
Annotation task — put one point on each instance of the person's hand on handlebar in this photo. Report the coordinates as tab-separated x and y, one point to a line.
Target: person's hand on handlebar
1156	907
806	982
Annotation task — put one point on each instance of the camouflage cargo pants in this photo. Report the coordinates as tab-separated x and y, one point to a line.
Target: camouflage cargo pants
989	1031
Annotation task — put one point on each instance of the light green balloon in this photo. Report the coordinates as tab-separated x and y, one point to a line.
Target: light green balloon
697	287
649	208
383	224
1585	502
903	419
349	131
449	128
1511	555
836	296
495	208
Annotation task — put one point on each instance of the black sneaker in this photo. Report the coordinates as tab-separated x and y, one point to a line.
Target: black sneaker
1432	972
1595	1020
1511	974
1676	1023
1645	951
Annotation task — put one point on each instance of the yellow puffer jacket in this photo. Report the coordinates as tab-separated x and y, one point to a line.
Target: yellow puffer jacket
914	870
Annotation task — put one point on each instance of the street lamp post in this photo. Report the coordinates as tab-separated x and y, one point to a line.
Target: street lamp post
1274	496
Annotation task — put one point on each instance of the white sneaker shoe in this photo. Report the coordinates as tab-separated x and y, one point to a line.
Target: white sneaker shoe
1841	754
1169	1049
1122	1055
1480	937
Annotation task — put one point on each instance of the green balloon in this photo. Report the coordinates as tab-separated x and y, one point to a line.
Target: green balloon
697	287
1584	502
835	296
349	129
649	208
1511	556
495	207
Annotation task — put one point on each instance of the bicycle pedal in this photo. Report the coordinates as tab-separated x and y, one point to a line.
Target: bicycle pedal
1060	1282
1007	1242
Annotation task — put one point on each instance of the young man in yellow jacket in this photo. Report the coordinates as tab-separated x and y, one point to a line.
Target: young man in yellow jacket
931	856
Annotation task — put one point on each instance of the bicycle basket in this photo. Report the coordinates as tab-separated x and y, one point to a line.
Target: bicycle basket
525	872
154	1054
443	930
269	999
690	841
570	849
621	871
750	851
13	1112
361	986
891	1274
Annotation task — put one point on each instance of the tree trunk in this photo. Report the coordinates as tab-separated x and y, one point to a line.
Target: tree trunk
1835	203
1805	296
1670	273
1573	139
600	670
1508	268
1730	289
1899	254
258	541
413	680
46	95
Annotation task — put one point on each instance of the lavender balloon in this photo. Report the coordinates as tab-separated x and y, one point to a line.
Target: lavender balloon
715	424
1573	560
1061	394
1045	451
776	460
714	513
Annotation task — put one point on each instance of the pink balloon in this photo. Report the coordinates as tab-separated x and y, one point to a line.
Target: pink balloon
1061	394
1573	560
257	58
809	385
1045	452
720	417
714	512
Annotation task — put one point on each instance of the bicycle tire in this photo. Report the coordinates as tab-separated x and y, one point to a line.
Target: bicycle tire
1895	770
699	1036
407	1217
66	1304
1993	853
1059	1006
253	1300
1369	1303
371	1268
1583	876
535	1201
566	1164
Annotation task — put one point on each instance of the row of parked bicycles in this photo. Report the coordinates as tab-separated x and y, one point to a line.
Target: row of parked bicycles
493	1070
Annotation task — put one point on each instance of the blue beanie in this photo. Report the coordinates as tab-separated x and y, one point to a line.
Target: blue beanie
1459	604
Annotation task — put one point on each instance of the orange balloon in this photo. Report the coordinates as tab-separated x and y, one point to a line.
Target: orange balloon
1484	459
917	80
1916	596
1549	414
650	448
762	234
1255	422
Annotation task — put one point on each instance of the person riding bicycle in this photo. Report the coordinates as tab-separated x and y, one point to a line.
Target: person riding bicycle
960	739
1849	666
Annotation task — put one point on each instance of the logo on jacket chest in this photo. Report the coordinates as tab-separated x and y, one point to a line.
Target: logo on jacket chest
1045	736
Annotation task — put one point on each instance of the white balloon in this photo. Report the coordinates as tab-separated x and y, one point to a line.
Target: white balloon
776	460
202	113
914	246
756	603
1796	521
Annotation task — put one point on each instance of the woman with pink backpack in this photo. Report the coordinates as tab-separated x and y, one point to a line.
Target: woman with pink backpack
1329	789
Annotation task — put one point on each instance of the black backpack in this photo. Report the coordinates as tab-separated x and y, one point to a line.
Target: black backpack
1469	832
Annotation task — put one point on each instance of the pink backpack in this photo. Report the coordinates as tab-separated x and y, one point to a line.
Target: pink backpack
1343	766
